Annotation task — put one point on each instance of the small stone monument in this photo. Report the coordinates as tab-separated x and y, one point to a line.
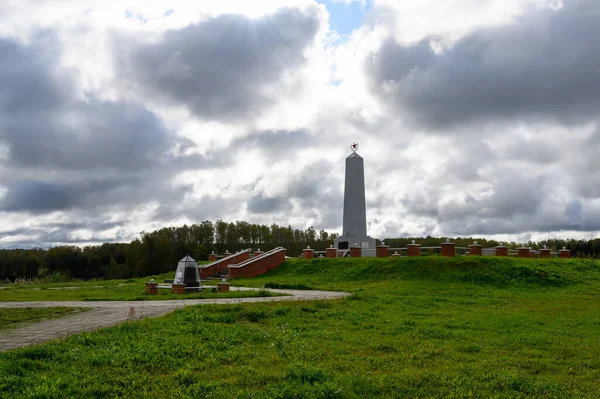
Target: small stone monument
187	277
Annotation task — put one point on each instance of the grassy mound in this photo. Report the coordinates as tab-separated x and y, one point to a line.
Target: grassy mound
486	271
414	328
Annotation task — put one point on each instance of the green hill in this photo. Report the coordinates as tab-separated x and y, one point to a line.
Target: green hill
484	271
427	327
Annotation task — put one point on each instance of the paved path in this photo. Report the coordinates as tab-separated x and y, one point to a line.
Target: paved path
109	313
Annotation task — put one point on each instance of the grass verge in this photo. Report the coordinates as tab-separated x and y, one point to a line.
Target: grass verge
427	329
107	290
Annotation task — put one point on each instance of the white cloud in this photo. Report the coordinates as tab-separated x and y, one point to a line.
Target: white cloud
446	21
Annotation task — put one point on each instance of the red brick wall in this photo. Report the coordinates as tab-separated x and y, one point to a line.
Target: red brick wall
383	251
448	249
221	265
564	253
331	253
475	250
523	252
178	288
355	252
152	288
258	266
413	250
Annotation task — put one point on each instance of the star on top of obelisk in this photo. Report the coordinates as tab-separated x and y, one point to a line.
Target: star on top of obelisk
354	147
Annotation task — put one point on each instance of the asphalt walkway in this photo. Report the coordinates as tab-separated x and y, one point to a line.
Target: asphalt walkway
109	313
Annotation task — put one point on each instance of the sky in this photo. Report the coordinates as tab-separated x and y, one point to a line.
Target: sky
474	118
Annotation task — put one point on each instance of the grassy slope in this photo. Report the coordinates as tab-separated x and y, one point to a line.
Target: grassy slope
420	328
15	317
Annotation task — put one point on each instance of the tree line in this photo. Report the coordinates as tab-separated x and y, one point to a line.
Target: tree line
159	251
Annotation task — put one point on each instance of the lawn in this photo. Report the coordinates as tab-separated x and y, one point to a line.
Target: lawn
16	317
106	290
414	328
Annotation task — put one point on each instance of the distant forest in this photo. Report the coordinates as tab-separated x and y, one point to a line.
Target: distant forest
159	251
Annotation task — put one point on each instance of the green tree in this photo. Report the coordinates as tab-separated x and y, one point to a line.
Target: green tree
113	271
32	265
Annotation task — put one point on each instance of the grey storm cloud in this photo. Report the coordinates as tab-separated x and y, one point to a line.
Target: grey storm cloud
36	196
179	204
544	66
274	143
584	168
84	155
263	204
43	197
104	135
513	196
312	191
224	68
510	204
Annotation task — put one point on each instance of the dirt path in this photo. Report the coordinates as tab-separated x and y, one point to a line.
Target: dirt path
109	313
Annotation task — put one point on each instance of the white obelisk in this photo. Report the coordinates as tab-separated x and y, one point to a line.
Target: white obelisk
355	210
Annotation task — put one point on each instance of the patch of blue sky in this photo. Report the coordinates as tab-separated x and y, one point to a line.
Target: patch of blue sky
345	17
135	15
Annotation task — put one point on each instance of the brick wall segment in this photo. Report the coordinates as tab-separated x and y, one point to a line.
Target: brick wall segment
258	265
383	251
221	265
331	252
501	250
413	249
448	249
355	252
523	252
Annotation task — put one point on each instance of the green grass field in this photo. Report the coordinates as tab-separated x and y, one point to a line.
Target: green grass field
106	290
10	318
414	328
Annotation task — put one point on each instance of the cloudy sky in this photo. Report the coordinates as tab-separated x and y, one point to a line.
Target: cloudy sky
475	117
